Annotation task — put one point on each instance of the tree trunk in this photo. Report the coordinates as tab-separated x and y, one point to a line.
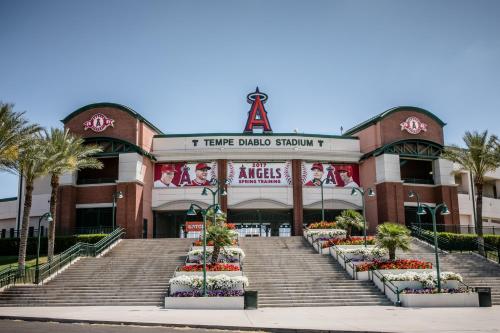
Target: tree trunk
349	231
215	253
392	253
23	241
54	183
479	221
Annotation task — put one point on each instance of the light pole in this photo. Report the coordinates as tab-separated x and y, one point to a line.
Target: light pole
220	190
412	194
192	212
433	211
37	269
319	182
370	193
116	195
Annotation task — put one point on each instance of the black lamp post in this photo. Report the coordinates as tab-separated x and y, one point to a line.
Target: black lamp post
117	195
48	217
192	212
370	193
221	189
433	211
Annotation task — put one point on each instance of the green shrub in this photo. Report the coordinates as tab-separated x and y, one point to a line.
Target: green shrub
10	246
465	242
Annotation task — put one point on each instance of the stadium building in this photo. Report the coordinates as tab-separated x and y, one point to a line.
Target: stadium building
273	180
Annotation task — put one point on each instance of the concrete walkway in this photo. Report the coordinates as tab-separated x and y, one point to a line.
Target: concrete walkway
351	318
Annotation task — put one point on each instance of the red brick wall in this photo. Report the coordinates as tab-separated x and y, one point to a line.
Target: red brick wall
298	212
125	126
390	128
148	194
221	175
66	209
129	210
390	202
95	194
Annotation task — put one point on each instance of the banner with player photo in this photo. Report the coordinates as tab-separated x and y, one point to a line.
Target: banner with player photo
179	174
333	174
259	173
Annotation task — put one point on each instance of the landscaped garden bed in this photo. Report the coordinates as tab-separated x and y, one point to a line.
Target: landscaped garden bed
212	269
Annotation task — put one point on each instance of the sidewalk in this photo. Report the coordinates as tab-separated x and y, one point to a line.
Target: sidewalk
353	318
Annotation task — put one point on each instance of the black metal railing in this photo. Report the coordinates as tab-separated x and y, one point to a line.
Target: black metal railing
491	252
34	274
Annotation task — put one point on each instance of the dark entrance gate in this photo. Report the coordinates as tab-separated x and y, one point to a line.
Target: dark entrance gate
262	222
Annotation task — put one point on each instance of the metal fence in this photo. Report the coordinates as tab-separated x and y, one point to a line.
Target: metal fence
459	229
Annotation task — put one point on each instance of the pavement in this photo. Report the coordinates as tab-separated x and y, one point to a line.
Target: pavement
332	319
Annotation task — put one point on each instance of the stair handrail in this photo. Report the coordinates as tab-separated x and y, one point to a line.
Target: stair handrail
80	249
347	261
387	284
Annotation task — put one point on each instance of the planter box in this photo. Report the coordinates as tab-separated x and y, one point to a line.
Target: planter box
367	275
318	246
176	288
215	303
426	300
237	264
210	273
311	239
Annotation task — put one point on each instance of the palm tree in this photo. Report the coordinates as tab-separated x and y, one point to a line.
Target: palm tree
73	155
221	236
14	130
32	162
350	219
481	155
392	236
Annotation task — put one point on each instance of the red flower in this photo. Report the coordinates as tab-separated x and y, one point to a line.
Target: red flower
348	241
394	264
322	225
210	267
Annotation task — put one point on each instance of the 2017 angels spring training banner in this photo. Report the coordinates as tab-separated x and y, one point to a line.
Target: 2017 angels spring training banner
184	174
333	174
259	173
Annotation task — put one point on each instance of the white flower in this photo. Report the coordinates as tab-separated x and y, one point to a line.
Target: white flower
326	233
227	251
217	282
428	279
365	251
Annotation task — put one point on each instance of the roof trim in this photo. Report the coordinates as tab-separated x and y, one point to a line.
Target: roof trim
257	134
386	113
137	149
111	105
381	150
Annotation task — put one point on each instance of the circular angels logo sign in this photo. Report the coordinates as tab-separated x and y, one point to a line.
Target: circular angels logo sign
98	123
413	125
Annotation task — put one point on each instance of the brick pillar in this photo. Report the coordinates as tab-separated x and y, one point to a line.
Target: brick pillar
448	195
298	212
129	212
221	176
66	210
390	202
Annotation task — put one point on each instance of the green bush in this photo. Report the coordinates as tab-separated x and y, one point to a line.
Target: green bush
10	246
466	242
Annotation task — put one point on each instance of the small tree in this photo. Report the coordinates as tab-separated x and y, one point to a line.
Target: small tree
392	236
221	236
350	219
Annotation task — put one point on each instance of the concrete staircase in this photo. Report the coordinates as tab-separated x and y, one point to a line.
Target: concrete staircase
287	272
135	272
476	270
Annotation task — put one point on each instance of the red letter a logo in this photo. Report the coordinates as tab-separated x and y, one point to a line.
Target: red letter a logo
257	116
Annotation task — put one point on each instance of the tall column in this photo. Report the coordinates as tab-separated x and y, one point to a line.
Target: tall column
298	212
221	176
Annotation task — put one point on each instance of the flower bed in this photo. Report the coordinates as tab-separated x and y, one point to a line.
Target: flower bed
418	289
210	293
314	234
322	225
362	253
227	252
210	267
199	242
370	240
393	264
218	282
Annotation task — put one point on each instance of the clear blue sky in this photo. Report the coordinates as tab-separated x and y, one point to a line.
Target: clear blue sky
187	65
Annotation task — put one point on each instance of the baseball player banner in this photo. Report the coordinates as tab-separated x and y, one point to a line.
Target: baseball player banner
332	174
185	174
259	173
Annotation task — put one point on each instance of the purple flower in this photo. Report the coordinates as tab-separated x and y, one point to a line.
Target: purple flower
210	293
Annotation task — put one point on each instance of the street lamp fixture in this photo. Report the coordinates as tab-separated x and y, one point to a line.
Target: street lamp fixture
433	210
49	219
369	192
192	211
412	194
117	195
